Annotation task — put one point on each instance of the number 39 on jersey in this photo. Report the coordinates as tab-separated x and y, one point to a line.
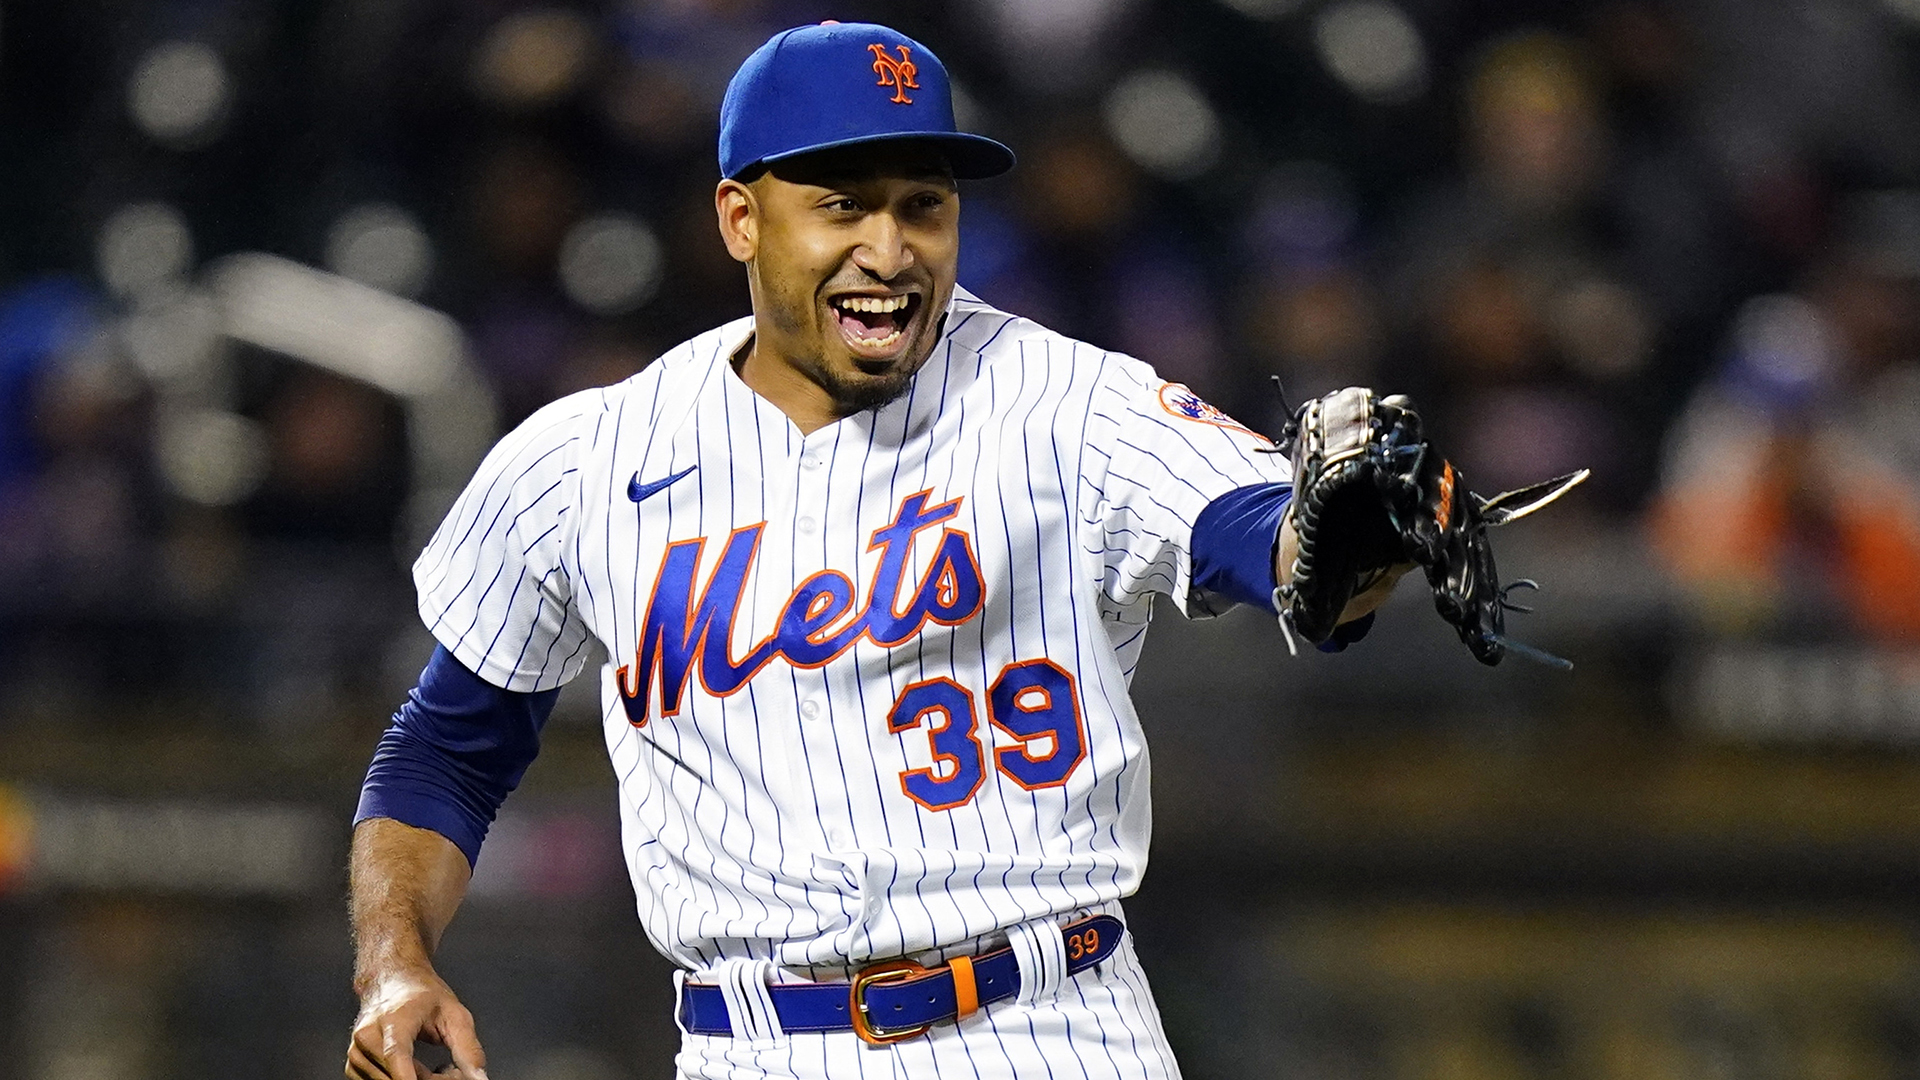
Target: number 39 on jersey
1033	702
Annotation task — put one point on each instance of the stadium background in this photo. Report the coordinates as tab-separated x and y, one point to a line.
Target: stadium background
273	274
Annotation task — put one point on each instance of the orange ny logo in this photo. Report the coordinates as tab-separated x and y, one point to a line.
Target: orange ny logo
895	73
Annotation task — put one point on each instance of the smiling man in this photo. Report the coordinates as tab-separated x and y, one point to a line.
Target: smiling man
873	569
851	254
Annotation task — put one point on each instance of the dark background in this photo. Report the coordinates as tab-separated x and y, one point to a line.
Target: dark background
272	275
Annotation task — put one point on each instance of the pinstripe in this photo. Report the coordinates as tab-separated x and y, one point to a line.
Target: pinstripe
752	831
501	509
1171	474
1039	539
727	732
1080	643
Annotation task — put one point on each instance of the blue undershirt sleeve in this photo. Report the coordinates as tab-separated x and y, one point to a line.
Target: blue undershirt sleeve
1233	541
453	752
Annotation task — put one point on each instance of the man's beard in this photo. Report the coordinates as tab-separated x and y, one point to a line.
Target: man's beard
862	392
865	392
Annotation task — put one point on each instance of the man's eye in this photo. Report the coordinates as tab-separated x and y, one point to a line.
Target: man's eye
843	205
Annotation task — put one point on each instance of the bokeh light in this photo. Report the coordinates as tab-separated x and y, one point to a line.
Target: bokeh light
534	57
171	340
381	245
610	263
1373	49
143	248
178	93
1164	123
209	456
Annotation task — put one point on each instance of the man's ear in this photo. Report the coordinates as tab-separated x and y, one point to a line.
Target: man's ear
739	217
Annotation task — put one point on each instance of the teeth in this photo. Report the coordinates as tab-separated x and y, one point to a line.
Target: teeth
887	342
874	304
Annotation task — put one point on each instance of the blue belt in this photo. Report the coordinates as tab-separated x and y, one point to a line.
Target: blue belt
900	999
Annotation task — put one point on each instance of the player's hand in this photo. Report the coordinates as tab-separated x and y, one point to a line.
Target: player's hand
1362	602
1375	594
398	1009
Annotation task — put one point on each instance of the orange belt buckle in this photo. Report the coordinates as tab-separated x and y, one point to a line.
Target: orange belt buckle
892	971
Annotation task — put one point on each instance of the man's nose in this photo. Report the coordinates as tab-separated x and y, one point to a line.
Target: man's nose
883	250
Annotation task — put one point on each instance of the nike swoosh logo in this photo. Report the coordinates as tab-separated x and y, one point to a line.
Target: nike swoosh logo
638	491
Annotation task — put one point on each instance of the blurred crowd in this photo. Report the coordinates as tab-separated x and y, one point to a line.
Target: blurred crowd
1676	241
273	273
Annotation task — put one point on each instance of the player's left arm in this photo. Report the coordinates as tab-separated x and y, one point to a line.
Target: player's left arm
1184	500
1244	544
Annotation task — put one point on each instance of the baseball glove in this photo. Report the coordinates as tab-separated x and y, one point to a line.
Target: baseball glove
1371	494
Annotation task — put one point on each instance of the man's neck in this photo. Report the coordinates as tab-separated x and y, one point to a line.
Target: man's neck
805	403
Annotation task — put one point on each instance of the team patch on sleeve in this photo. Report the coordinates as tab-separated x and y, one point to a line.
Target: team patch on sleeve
1182	402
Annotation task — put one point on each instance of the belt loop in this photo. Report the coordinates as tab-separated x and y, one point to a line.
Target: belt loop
1041	953
743	986
680	1001
966	991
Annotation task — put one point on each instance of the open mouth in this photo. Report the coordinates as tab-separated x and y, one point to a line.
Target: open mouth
875	327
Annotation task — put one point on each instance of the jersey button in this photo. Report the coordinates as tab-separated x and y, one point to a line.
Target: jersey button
809	462
807	525
810	710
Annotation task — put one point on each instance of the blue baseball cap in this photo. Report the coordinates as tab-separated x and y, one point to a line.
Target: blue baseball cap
839	84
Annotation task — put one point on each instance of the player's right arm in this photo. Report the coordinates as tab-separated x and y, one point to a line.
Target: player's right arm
454	752
496	593
406	884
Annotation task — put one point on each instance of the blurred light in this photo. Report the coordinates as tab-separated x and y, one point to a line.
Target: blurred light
196	848
381	245
534	57
1784	344
1906	9
1164	123
1264	9
1373	49
1813	694
16	835
610	263
210	457
1053	46
171	342
178	93
404	348
142	248
1603	328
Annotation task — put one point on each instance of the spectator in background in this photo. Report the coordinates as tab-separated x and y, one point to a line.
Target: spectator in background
1517	278
1309	314
73	447
1790	497
1091	253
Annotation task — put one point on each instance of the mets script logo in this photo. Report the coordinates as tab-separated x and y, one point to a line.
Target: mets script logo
1187	405
818	622
895	72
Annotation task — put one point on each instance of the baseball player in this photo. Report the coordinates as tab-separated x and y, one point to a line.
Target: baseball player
872	567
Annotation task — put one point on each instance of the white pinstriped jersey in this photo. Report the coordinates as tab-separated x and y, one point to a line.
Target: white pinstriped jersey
867	694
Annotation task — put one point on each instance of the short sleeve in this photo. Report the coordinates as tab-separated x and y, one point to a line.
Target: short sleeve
493	585
1158	454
